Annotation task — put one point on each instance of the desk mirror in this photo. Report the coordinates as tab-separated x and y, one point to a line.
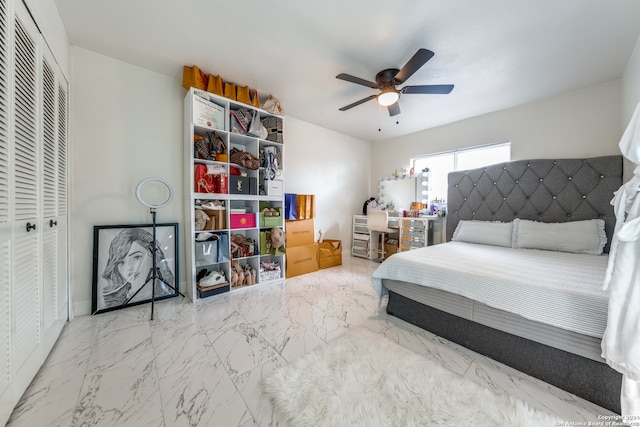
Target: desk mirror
401	191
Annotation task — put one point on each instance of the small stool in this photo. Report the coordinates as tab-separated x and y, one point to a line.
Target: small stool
377	221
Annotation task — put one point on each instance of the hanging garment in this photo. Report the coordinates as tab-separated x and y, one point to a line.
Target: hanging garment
621	339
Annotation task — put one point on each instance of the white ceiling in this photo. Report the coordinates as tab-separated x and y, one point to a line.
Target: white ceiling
498	53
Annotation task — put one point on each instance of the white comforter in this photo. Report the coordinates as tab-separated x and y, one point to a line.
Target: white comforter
556	288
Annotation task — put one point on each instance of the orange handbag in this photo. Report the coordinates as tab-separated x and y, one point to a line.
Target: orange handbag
193	77
215	85
230	90
255	100
243	94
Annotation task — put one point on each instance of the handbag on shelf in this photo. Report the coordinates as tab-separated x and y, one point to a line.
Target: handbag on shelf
203	181
207	252
244	159
223	247
255	100
217	145
202	147
201	219
243	94
214	85
230	90
274	129
255	126
193	77
240	120
273	106
270	158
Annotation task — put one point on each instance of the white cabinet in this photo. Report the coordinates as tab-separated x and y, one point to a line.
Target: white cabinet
222	175
360	243
412	233
33	202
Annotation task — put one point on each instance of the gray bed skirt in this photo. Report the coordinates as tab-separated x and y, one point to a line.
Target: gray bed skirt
587	378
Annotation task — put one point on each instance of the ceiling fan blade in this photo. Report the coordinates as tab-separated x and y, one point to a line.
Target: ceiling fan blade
432	89
414	64
394	109
356	80
355	104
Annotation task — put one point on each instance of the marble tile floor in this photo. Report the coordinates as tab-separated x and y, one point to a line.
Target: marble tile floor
201	364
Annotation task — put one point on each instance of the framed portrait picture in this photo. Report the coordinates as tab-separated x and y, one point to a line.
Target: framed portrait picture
123	265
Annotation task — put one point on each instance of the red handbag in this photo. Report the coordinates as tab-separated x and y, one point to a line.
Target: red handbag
203	182
221	183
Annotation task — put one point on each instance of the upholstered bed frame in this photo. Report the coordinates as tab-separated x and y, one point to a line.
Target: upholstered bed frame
543	190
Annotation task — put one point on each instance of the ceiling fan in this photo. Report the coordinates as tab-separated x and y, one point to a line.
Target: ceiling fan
387	80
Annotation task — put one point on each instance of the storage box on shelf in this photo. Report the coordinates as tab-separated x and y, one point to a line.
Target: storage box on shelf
225	166
274	187
272	239
271	218
243	220
217	219
242	185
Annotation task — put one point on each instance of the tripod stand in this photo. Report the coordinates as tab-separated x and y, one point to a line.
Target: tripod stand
155	273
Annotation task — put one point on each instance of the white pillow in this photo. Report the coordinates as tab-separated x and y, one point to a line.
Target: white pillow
493	233
581	237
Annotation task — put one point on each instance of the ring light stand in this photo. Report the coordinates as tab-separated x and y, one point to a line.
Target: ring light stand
154	272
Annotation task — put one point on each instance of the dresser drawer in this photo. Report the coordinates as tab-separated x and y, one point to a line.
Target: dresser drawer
360	252
413	225
360	221
360	244
362	229
393	222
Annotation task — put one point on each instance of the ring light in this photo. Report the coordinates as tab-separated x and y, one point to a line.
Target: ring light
149	205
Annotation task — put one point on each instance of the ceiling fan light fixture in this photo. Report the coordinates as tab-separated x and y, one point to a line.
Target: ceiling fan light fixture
388	97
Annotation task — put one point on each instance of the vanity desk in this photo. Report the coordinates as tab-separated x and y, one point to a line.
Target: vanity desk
413	233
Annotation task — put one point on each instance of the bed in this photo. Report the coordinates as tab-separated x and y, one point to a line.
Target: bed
540	311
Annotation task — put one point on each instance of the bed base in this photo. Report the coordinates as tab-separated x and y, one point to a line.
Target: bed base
586	378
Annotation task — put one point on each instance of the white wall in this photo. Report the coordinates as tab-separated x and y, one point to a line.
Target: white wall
631	85
582	123
126	125
630	97
335	168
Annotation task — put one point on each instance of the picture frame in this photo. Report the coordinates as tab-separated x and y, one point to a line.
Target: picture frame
123	265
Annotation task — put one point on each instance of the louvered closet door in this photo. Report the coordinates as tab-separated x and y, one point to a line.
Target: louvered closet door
53	227
33	202
62	293
26	292
6	395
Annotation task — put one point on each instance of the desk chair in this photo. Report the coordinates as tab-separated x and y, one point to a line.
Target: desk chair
377	221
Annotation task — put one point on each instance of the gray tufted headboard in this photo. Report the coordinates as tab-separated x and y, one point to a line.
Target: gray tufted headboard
542	190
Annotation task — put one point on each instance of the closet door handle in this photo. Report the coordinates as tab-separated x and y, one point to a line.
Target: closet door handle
30	227
52	223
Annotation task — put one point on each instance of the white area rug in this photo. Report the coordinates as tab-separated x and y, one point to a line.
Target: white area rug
364	379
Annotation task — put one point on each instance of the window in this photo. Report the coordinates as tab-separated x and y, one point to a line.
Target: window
440	164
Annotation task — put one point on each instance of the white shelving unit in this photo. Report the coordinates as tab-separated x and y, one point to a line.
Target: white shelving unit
249	192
